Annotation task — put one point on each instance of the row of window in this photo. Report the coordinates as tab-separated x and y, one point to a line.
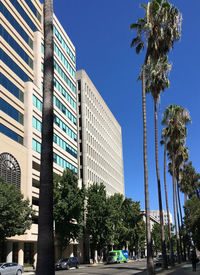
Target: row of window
37	103
16	25
62	108
62	41
11	134
38	125
65	128
64	76
34	10
64	93
13	66
24	15
7	84
63	163
64	60
9	39
64	145
11	111
36	146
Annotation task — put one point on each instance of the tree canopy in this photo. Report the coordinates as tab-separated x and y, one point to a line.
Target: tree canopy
68	208
15	212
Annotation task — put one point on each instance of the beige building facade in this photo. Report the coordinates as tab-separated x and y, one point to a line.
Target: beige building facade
100	139
21	85
156	215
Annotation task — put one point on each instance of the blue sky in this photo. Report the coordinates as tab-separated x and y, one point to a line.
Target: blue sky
101	35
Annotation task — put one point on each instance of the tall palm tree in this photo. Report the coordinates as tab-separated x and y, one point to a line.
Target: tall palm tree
45	260
175	118
164	141
157	81
159	29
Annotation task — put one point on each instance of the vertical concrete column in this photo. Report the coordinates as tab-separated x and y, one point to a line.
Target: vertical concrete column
95	256
9	252
21	253
35	255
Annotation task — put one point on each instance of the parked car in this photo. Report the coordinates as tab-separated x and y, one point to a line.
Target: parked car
11	269
67	263
159	259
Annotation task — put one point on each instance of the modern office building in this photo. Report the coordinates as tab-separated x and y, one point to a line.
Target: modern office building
100	139
21	77
156	215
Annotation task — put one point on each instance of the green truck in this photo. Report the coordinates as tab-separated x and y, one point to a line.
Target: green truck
118	256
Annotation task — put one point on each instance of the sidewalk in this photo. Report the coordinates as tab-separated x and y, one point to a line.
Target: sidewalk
180	269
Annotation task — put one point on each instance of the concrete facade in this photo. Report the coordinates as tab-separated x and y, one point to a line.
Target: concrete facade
156	215
21	78
100	139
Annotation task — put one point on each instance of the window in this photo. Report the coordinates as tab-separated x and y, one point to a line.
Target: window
64	60
14	67
36	146
16	25
64	76
8	38
7	84
64	109
10	170
11	111
37	103
60	88
58	35
63	163
64	127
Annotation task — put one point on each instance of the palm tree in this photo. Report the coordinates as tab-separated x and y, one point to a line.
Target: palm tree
175	118
45	260
159	29
157	81
164	141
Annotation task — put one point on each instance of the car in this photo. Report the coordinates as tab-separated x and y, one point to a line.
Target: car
67	263
11	269
159	259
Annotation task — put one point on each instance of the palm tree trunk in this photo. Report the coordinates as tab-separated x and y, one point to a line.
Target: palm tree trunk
150	264
45	259
167	207
178	219
174	206
159	188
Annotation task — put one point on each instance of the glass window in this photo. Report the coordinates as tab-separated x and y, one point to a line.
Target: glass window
7	84
11	111
11	134
16	25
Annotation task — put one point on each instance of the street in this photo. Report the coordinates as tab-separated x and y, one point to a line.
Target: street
122	268
137	267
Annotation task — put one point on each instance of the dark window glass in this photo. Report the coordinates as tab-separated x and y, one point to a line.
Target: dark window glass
11	111
24	15
79	85
7	84
34	10
16	46
16	25
13	66
11	134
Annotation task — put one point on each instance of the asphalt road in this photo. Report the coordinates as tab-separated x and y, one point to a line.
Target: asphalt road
101	269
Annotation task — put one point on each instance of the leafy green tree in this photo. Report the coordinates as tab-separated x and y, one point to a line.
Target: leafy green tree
97	224
15	212
133	225
115	219
192	218
68	208
45	258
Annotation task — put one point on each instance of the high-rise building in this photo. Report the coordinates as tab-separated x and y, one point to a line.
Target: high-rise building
156	215
100	139
21	77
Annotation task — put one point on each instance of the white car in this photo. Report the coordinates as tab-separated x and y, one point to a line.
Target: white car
11	269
